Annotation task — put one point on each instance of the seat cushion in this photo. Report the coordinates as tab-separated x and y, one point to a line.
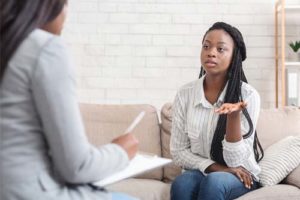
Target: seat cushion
276	192
144	189
105	122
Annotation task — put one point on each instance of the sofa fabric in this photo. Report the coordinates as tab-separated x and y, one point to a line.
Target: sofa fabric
293	178
170	171
275	124
104	122
276	192
144	189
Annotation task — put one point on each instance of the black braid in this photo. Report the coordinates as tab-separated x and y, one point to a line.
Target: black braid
233	94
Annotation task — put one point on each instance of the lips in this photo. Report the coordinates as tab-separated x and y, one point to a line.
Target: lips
210	63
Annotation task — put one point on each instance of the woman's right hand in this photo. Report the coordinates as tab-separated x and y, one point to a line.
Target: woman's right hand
242	174
129	143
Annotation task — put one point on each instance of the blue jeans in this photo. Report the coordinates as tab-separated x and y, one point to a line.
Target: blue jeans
193	185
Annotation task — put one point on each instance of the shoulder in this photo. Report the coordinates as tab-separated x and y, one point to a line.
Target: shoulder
188	92
249	91
188	87
34	45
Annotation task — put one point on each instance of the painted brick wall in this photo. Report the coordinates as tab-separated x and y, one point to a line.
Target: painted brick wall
142	51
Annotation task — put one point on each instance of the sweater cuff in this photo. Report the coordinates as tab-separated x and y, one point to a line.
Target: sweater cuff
205	164
232	145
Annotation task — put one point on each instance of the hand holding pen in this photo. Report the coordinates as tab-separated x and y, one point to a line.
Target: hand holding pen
127	140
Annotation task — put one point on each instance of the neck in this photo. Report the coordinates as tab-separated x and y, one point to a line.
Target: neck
213	87
214	83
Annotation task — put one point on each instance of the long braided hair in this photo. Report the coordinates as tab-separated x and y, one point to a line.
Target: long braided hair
235	77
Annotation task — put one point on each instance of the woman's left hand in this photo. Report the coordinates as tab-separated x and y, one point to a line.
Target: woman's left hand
228	108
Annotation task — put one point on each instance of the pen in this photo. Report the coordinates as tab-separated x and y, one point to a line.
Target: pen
135	122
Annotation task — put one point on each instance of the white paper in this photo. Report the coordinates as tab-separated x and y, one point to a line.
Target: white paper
139	164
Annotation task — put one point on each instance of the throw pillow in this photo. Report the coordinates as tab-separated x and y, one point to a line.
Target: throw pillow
280	159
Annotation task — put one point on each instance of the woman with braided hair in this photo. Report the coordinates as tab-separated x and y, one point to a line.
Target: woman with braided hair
214	119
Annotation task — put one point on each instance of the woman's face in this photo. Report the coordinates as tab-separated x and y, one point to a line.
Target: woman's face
216	53
56	25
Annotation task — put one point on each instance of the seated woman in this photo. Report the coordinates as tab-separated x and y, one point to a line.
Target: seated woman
44	150
214	119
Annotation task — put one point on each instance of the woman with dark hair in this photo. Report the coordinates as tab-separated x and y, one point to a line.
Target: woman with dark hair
44	150
214	119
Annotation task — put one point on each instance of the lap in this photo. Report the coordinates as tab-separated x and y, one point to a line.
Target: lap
193	184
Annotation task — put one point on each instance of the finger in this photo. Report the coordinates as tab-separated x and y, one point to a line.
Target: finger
219	110
239	176
223	109
249	176
244	105
247	179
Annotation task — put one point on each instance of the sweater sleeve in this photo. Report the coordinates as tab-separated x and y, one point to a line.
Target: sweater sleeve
241	153
54	93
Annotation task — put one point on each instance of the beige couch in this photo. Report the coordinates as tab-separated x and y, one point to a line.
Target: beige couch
104	122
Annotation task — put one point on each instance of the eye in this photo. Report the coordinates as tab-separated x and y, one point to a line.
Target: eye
221	49
205	46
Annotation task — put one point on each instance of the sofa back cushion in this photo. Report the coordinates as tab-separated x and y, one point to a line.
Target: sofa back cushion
105	122
275	124
170	171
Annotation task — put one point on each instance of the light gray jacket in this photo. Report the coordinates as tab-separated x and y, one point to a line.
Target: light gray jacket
44	152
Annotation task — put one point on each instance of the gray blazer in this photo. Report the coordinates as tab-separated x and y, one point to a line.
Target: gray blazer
44	152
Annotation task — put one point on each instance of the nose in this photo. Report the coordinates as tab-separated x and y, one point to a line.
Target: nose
211	52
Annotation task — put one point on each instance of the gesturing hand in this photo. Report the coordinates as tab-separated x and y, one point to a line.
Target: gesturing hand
242	174
129	143
228	108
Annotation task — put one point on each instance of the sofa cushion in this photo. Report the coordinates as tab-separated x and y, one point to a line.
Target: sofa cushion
280	159
105	122
275	124
276	192
170	171
144	189
294	177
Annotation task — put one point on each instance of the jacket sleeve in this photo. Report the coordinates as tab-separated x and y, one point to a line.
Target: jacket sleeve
54	93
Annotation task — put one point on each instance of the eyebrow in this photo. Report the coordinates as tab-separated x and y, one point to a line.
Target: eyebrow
217	43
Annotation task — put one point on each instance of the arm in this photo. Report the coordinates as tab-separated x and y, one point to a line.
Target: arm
53	89
180	143
236	150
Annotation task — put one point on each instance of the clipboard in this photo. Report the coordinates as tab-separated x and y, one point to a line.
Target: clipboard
141	163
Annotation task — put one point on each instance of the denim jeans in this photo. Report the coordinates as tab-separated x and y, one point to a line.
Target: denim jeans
193	185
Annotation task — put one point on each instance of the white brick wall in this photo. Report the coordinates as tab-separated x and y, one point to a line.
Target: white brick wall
142	51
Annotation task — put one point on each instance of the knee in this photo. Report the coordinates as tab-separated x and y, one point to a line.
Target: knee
216	180
179	184
186	182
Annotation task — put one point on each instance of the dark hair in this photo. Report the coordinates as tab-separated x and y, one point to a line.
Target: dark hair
235	77
18	19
